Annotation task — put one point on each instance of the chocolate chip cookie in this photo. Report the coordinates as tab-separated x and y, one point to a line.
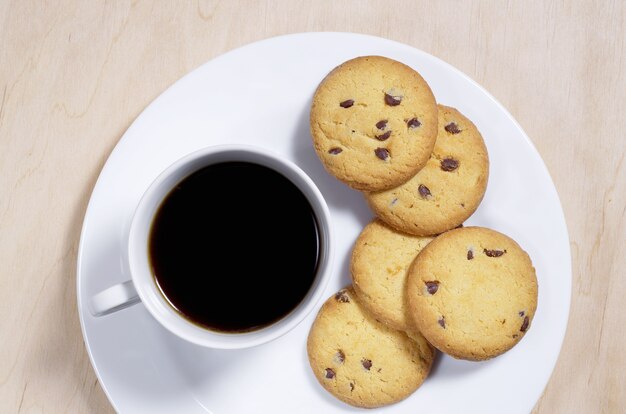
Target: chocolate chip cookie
373	122
447	190
362	361
472	293
380	260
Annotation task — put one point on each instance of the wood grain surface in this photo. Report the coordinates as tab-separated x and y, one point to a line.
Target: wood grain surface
74	74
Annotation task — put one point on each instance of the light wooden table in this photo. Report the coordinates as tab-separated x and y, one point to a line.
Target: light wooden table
74	74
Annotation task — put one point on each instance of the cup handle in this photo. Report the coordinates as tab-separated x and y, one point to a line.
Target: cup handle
115	298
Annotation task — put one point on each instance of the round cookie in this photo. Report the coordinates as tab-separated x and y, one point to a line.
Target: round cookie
472	293
373	122
447	190
362	361
380	260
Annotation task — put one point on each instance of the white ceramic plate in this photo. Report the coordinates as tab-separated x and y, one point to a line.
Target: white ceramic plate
260	95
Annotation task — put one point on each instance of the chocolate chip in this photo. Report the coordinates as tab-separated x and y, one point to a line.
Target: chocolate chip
452	128
347	104
382	153
442	322
470	254
351	386
392	100
384	136
340	356
367	363
524	325
432	287
394	201
413	123
342	296
449	164
330	373
335	150
494	253
381	124
424	191
521	313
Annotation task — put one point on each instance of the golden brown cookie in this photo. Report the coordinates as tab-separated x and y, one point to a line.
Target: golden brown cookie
472	293
380	260
447	190
362	361
373	122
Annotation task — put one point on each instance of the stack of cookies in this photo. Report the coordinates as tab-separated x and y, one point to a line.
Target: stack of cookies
421	281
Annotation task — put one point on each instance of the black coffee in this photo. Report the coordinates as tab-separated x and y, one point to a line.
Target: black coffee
234	247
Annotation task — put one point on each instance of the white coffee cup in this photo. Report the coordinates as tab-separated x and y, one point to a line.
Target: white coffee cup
143	286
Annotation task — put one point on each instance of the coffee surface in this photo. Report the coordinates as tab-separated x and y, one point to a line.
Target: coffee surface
234	247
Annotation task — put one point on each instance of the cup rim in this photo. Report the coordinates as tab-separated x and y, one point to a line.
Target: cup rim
138	257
